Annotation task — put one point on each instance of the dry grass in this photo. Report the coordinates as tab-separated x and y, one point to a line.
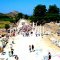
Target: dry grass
2	23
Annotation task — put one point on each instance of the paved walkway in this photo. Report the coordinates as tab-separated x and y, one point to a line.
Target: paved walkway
42	45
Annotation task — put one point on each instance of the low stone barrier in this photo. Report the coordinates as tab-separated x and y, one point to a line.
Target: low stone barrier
1	58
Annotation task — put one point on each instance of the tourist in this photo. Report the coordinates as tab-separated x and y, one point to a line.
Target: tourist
13	42
30	48
12	51
27	34
16	57
18	32
49	56
31	32
13	33
3	44
33	48
36	33
7	36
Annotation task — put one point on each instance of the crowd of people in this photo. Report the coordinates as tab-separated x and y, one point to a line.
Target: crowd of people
25	33
4	39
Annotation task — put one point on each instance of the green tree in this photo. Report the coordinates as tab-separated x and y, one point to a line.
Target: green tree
39	10
26	16
32	19
52	14
53	9
7	26
39	13
18	16
51	17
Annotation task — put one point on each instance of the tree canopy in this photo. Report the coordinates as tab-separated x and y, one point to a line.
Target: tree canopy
53	9
39	13
42	15
39	10
7	26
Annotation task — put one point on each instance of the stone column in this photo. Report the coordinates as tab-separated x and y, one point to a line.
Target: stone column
33	24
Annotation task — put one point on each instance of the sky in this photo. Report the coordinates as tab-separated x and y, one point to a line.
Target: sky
24	6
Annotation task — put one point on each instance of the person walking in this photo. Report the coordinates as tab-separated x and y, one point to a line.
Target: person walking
13	42
49	56
33	48
30	48
12	51
16	57
10	54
